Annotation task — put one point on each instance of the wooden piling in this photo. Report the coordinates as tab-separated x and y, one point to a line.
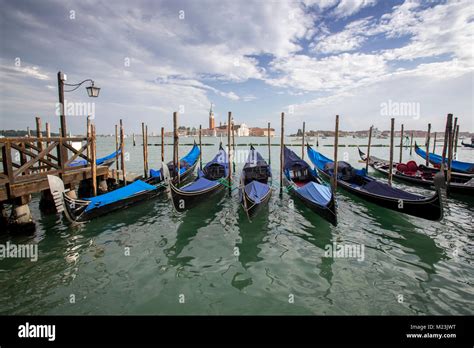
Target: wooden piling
269	145
302	141
390	167
427	144
175	147
411	143
162	144
134	142
116	153
455	156
228	151
445	145
48	133
336	143
200	147
146	148
434	142
233	146
317	139
450	148
401	145
122	154
39	136
88	133
368	149
453	135
93	161
145	156
282	157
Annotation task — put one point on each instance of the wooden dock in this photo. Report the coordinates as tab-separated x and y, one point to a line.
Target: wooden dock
26	163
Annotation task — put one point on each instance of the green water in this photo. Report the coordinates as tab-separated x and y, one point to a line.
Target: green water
217	262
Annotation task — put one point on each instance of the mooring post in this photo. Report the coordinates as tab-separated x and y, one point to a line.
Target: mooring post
411	143
317	139
282	158
21	219
39	136
229	117
390	167
93	162
401	145
336	144
162	144
122	155
233	146
368	150
302	141
88	134
434	142
146	148
450	149
134	142
456	142
144	151
427	145
116	153
453	136
269	145
200	147
176	147
445	145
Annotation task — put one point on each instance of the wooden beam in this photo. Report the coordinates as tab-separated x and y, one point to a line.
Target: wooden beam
282	157
336	144
368	149
401	145
390	167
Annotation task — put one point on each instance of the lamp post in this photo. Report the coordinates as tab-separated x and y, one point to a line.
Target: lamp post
92	92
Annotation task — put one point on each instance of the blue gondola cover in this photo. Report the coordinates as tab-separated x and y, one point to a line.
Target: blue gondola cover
256	191
99	161
317	193
459	166
119	194
185	162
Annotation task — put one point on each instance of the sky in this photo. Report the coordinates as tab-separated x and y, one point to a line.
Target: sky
365	60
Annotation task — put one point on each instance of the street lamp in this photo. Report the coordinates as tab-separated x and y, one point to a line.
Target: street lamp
92	92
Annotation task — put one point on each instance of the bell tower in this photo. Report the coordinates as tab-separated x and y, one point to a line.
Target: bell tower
212	124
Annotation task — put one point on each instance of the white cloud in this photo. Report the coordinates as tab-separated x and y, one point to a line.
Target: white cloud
329	73
347	8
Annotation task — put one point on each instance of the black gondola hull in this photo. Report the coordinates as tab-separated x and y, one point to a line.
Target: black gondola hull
453	187
250	206
183	200
429	208
327	212
109	208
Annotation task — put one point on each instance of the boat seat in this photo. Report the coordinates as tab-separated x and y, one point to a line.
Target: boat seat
411	168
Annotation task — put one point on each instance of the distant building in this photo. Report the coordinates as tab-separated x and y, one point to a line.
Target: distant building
261	132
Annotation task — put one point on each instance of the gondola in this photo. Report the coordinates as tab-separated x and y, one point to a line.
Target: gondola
255	191
467	145
210	181
421	175
186	167
304	183
435	160
103	161
360	184
82	210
